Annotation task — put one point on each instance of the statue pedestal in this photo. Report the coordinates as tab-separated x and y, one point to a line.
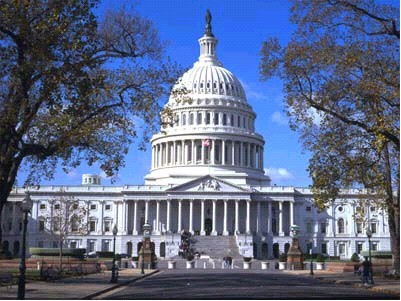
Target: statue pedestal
146	255
294	256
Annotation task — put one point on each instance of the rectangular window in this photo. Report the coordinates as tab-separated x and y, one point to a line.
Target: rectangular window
41	225
91	246
341	249
108	207
359	228
324	248
40	244
106	246
10	226
93	207
107	225
308	208
309	227
373	227
359	247
73	245
207	118
92	226
42	206
199	118
75	206
57	206
323	228
374	246
55	244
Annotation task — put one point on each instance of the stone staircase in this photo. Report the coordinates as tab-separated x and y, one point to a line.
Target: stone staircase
215	246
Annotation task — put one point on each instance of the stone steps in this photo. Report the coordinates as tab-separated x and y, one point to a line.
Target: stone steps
215	246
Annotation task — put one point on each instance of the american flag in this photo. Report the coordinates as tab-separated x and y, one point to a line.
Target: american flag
206	142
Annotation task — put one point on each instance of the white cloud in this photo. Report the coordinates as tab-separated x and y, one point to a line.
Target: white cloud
278	174
251	92
278	118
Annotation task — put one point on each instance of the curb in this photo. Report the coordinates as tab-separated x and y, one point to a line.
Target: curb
95	294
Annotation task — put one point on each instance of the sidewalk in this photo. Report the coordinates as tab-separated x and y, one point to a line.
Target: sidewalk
389	286
74	288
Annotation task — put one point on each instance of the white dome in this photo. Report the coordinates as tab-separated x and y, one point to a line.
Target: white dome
206	79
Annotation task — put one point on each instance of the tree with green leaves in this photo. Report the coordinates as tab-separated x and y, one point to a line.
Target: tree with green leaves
75	87
341	80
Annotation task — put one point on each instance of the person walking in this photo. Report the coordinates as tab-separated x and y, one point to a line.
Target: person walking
365	271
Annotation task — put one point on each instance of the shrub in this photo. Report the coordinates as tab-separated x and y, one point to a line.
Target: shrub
247	259
190	257
135	258
320	258
282	257
378	254
77	253
104	254
355	257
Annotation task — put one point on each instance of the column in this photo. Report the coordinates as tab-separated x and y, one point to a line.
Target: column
241	155
146	210
291	213
14	220
159	160
248	217
232	152
193	157
135	231
183	152
248	155
236	230
203	218
174	152
168	216
258	217
203	152
261	158
212	152
269	217
157	229
126	218
191	208
280	218
179	216
214	232
223	152
167	152
225	232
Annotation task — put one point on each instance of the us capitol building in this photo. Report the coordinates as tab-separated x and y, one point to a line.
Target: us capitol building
207	177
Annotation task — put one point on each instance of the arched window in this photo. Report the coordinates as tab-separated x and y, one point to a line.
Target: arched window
199	118
207	118
184	119
340	225
216	118
232	120
224	119
191	118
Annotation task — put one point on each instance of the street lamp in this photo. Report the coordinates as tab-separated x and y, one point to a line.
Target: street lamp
311	257
369	234
26	206
113	268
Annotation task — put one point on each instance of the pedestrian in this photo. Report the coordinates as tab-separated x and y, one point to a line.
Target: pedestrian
365	271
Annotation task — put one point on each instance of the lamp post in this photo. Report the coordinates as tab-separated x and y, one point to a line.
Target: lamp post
311	257
369	234
26	206
113	268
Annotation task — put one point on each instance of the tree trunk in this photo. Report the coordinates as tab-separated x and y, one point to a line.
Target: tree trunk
60	259
393	210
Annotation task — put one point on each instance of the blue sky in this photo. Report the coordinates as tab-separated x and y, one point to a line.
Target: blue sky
240	27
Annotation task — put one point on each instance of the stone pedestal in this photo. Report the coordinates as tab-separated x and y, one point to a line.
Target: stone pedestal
294	256
146	254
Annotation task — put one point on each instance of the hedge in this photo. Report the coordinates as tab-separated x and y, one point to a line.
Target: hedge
104	254
377	254
77	253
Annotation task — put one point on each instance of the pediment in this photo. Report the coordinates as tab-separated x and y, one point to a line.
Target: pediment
208	184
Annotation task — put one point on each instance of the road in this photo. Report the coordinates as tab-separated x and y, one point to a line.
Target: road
236	284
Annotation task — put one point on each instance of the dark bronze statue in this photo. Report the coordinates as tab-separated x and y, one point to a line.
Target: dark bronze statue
208	30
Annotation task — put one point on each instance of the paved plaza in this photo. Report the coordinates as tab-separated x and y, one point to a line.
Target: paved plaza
210	284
